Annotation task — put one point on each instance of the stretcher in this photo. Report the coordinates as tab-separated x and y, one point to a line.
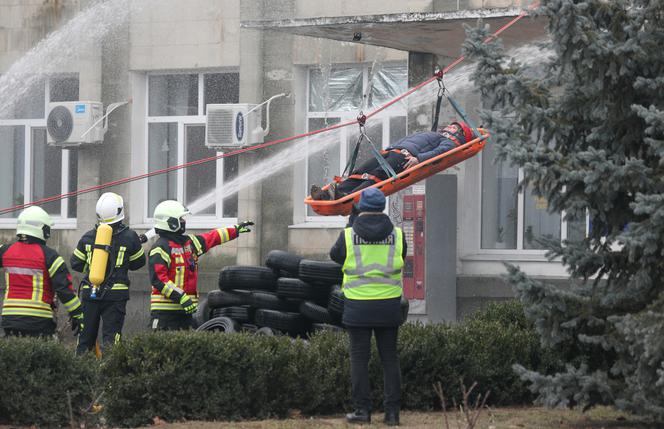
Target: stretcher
421	171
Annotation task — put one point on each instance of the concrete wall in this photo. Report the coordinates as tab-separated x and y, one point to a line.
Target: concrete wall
202	35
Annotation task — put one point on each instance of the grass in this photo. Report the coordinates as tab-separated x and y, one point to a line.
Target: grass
501	418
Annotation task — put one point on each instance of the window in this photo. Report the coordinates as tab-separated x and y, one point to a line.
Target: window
336	94
517	220
176	106
30	169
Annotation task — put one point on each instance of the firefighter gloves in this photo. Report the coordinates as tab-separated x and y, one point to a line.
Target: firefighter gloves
188	305
244	227
77	323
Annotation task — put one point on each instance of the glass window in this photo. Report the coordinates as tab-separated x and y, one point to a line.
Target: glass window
73	181
63	88
32	104
221	88
12	141
46	171
499	202
162	153
322	165
388	82
576	229
231	168
173	95
200	181
538	222
335	89
398	128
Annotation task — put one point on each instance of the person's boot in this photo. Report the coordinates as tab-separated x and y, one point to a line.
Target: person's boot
392	418
359	416
317	193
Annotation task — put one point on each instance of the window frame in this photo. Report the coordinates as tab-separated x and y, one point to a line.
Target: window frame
60	221
344	116
521	199
193	221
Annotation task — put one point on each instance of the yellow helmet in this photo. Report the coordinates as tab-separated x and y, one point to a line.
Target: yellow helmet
168	214
35	222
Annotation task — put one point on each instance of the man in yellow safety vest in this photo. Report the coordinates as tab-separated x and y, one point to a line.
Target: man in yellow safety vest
372	252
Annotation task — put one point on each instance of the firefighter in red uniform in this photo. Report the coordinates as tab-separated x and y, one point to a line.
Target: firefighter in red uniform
35	273
173	265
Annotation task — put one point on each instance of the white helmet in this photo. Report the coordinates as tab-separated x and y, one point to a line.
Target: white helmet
110	208
35	222
168	216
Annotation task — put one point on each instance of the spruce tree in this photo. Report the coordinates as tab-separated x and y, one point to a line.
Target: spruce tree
585	122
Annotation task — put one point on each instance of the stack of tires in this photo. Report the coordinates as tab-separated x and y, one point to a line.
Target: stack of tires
290	295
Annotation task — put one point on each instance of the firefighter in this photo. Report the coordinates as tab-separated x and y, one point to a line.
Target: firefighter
34	273
173	263
107	303
371	253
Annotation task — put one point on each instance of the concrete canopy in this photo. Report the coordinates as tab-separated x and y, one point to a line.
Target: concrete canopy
439	33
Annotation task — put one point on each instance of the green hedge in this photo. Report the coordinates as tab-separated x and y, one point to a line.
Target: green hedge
44	384
212	376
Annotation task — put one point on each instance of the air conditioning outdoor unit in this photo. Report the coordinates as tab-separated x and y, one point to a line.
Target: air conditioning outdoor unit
233	126
73	123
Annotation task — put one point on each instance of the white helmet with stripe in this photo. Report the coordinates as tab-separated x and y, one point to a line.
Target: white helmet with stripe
110	208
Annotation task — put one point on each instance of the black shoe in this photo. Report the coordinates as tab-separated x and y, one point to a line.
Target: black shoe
318	194
392	418
359	416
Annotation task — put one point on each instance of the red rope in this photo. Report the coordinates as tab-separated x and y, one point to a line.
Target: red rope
256	147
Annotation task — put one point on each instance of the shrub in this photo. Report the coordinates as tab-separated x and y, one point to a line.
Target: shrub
44	384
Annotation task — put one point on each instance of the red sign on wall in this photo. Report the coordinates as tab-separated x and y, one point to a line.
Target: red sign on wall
413	228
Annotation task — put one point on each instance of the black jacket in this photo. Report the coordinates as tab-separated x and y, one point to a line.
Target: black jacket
370	313
126	254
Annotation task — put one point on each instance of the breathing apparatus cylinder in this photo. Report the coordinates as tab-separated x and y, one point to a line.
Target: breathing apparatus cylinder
100	257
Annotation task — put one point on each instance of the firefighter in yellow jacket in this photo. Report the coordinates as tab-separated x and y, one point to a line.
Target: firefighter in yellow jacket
35	273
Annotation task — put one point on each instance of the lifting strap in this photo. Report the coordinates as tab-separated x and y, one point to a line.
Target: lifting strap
442	90
350	166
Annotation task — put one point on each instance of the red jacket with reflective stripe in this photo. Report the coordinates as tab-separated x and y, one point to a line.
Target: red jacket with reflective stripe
34	273
174	259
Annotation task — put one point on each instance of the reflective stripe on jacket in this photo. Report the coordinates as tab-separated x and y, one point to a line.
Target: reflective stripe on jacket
372	270
33	274
173	266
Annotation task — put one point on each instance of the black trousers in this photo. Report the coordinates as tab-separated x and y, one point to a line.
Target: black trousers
110	314
370	166
360	350
165	321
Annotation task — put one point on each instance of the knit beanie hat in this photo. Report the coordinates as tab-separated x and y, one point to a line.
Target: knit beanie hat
372	200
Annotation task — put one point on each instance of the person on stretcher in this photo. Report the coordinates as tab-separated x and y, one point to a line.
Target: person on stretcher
406	153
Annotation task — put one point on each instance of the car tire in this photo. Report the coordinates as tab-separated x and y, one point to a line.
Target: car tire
202	312
280	260
247	277
315	312
226	298
324	272
242	314
297	289
222	324
270	301
290	322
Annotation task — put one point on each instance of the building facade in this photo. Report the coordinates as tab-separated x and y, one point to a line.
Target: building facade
172	58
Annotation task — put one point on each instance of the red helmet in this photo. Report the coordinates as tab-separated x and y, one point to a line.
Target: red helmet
467	131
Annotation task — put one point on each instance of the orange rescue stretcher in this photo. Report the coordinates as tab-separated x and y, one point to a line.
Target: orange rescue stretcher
343	206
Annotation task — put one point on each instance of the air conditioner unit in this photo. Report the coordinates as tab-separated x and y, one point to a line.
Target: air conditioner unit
231	126
74	123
